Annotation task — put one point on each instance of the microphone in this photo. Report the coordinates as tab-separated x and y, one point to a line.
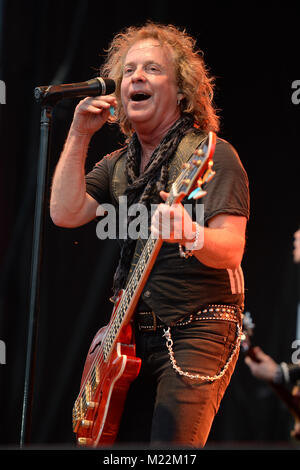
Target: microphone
94	87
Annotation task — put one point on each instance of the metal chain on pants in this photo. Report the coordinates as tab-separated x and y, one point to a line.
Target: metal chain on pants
169	344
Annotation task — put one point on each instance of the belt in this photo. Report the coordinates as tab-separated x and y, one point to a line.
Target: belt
148	321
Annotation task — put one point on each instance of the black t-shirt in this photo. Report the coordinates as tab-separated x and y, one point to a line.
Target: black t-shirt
177	286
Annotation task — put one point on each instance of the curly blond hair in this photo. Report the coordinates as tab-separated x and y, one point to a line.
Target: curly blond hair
193	78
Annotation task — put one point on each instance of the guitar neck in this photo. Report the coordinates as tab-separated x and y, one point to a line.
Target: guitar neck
291	401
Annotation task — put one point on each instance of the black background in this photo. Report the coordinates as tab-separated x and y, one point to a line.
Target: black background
252	52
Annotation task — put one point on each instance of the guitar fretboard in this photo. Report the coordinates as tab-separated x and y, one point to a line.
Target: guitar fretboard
135	279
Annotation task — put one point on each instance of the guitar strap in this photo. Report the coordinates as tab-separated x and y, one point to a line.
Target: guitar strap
183	153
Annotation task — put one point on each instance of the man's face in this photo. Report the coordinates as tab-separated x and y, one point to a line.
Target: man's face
148	89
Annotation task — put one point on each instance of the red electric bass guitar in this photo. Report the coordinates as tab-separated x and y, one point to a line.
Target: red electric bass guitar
111	364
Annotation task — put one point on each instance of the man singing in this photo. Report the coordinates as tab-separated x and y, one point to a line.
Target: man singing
163	106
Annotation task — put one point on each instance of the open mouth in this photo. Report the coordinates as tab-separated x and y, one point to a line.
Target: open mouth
139	97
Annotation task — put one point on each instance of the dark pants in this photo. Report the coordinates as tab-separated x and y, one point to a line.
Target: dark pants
165	408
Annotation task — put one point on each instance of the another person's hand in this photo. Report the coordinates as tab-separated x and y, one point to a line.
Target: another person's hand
296	252
264	368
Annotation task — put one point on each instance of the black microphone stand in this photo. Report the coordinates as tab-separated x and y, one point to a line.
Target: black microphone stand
36	265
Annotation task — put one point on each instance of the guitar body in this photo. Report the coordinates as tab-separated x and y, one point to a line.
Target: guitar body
101	421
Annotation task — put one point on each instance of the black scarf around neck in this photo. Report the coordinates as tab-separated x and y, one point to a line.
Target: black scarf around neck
144	188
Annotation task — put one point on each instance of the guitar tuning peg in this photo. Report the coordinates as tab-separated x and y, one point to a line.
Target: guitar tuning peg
196	162
208	175
197	193
199	152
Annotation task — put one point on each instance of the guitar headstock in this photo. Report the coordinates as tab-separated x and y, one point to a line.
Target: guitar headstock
197	171
248	327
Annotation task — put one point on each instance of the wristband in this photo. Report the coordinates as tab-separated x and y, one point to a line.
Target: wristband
278	376
183	253
285	372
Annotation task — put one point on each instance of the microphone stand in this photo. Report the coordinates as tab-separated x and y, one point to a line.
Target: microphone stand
48	97
36	265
